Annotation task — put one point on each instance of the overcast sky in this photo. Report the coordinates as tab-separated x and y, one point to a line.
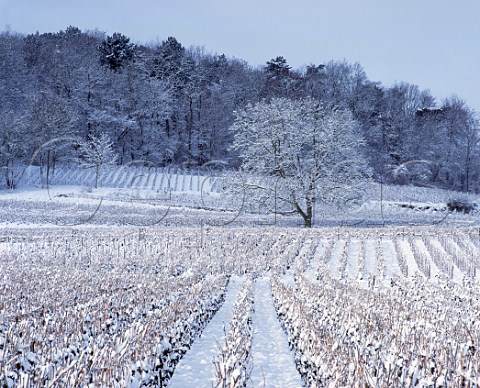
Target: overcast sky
432	43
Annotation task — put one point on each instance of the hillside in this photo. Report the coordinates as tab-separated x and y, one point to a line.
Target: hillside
142	197
165	104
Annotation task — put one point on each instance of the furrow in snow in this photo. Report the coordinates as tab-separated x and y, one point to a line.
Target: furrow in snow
406	249
371	267
196	369
392	267
273	364
352	267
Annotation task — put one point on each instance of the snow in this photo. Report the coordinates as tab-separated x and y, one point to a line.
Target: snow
161	188
348	253
392	268
75	205
317	257
283	251
352	268
370	258
434	270
196	368
457	275
409	258
334	264
273	364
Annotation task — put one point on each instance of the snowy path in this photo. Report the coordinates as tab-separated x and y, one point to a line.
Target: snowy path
409	258
196	368
273	364
334	264
370	258
392	267
352	268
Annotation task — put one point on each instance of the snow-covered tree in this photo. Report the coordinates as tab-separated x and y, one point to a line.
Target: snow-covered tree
98	153
50	119
278	78
14	147
300	153
116	50
174	105
15	100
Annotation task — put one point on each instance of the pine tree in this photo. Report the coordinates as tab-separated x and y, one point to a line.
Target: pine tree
278	78
115	51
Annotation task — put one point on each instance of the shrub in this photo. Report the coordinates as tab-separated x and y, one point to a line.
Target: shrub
463	205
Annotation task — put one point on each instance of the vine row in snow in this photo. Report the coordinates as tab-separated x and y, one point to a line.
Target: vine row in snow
410	334
233	364
77	328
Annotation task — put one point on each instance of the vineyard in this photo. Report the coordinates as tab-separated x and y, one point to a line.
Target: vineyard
354	307
174	179
176	196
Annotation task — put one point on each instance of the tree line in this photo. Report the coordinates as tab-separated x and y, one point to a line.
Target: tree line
168	104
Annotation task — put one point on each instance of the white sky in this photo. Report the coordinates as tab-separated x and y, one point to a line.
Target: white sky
432	43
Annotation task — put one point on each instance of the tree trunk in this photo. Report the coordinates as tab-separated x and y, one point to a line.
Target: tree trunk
306	215
97	173
307	222
308	219
190	127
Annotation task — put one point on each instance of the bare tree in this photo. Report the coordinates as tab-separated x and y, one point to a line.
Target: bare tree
299	153
97	153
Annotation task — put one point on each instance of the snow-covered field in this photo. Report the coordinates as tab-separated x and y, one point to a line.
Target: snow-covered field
139	285
144	197
125	307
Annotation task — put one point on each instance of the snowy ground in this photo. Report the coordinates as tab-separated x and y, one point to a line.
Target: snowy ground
82	236
196	369
272	361
100	265
79	206
273	364
144	197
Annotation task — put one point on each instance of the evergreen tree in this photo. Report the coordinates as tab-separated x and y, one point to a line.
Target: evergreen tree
116	50
278	78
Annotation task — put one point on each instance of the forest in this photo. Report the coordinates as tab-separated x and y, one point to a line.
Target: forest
166	104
